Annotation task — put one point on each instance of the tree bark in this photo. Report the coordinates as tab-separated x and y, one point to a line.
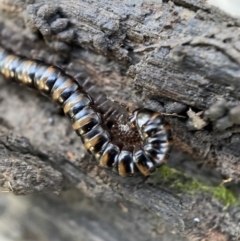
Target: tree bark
178	57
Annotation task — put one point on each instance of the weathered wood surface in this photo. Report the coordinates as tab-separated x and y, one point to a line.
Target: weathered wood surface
167	56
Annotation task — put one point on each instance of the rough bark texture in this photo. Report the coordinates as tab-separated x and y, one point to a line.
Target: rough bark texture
168	56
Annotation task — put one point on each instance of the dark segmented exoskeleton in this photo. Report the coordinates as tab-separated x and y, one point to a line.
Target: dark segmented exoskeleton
140	145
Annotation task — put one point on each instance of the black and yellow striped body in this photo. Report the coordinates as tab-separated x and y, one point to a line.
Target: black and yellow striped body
87	121
157	140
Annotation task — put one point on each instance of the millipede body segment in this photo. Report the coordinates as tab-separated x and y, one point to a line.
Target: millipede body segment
141	145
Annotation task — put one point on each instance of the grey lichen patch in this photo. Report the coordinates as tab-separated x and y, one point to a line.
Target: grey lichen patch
62	30
223	114
217	110
234	114
52	24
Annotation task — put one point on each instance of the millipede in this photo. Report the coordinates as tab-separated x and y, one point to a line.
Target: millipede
139	145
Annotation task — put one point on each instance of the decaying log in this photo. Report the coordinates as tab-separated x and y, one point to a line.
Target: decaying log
178	57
